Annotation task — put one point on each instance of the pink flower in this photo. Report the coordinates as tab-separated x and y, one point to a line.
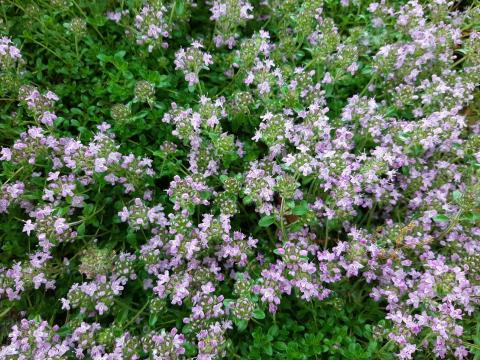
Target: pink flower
28	227
101	308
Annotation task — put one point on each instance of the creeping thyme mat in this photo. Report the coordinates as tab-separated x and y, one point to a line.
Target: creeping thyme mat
284	179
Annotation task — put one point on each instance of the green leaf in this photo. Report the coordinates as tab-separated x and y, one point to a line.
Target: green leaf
441	218
241	324
301	209
266	221
273	331
132	238
104	58
290	204
227	302
457	195
88	209
152	320
258	314
64	330
471	217
120	54
187	329
123	317
205	195
296	226
190	348
97	20
163	81
223	178
240	276
180	9
247	200
269	350
81	229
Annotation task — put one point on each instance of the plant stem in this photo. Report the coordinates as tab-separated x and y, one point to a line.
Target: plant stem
136	315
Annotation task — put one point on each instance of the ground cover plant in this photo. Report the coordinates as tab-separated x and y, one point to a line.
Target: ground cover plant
285	179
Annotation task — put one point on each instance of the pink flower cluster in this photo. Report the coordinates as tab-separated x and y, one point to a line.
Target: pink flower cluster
191	61
378	184
9	53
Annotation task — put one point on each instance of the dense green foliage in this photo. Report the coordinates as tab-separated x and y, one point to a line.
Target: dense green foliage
102	73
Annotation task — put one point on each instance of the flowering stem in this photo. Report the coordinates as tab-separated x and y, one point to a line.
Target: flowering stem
14	174
46	48
19	6
161	167
282	224
271	237
368	85
170	20
135	317
200	88
86	218
458	62
384	346
76	46
450	227
229	84
476	347
86	17
370	214
325	245
5	312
